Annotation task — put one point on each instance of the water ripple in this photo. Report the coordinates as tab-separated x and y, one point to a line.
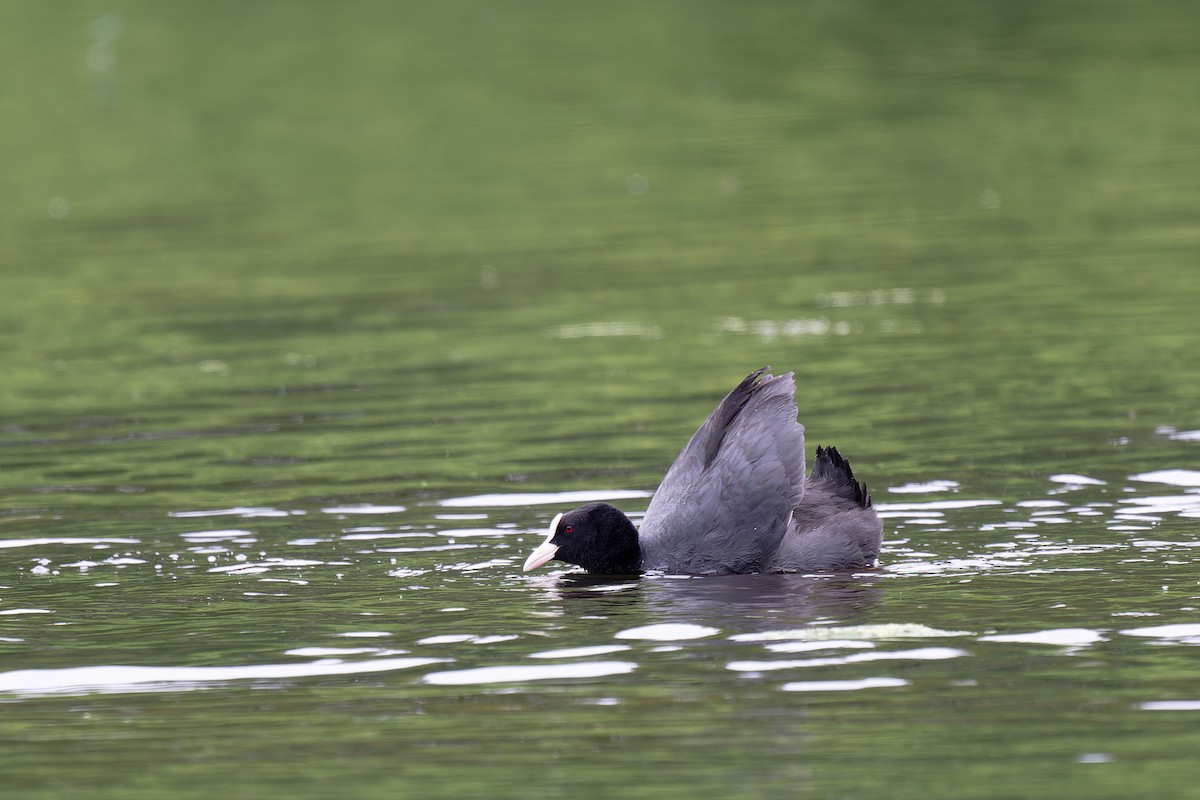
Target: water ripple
1067	637
903	630
667	632
120	679
363	508
842	686
6	543
1173	477
1183	633
248	512
917	654
523	673
581	652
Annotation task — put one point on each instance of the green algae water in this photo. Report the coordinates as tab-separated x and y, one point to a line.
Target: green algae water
313	317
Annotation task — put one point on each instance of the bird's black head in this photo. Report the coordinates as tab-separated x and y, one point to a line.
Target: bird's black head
597	537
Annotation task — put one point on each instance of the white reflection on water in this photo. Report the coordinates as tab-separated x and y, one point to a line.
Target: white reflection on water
206	537
581	652
829	644
477	566
522	673
364	508
257	567
248	512
1185	505
667	632
121	679
1182	633
1072	479
1066	637
6	543
404	572
1027	551
1154	545
1174	477
917	654
901	630
842	686
114	561
922	488
336	652
447	638
459	638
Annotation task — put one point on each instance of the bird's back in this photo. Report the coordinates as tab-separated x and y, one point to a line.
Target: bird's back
835	525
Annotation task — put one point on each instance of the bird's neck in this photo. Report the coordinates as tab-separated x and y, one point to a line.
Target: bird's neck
623	556
627	561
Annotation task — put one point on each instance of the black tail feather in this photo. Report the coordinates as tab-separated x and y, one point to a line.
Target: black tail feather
831	467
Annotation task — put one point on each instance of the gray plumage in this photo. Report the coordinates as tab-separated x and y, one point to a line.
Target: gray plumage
834	526
736	499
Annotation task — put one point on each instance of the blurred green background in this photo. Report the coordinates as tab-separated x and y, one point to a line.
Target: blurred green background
391	187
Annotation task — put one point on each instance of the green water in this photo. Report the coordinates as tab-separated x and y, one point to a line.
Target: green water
284	286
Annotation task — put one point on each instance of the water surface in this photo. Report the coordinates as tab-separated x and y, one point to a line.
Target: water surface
313	321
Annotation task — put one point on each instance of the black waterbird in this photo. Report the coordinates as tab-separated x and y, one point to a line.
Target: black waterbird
736	500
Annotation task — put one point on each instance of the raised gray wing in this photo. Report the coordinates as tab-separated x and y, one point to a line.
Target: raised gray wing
725	503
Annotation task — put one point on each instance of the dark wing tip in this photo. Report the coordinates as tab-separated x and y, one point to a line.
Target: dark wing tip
717	425
831	466
753	377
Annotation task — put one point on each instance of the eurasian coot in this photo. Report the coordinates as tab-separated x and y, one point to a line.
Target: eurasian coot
736	500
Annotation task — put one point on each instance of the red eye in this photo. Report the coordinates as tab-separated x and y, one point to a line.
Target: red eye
568	529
